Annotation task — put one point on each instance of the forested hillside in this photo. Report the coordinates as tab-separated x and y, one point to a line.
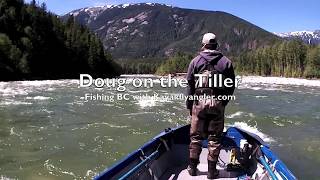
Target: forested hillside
286	58
36	44
140	66
176	64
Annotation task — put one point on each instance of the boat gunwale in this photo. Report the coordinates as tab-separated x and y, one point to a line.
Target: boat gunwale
116	168
154	142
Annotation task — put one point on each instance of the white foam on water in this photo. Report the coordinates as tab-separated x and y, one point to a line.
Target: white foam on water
251	115
48	82
134	114
235	115
51	89
130	79
5	178
278	89
39	98
140	75
15	88
13	133
54	170
255	88
8	103
261	97
90	174
37	83
8	91
99	125
278	123
140	91
265	87
46	111
254	130
144	103
79	103
111	125
138	131
152	102
279	80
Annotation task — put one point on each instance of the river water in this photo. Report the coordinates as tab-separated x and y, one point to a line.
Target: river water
49	131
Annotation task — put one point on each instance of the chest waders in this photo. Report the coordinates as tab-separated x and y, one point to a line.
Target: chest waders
207	122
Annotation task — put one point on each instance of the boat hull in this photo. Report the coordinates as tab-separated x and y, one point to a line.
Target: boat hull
166	157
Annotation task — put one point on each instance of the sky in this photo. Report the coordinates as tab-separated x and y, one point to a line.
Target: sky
271	15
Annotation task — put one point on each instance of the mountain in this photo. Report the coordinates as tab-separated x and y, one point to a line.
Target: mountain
148	30
309	37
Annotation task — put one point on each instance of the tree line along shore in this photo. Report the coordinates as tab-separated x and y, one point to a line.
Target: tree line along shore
284	59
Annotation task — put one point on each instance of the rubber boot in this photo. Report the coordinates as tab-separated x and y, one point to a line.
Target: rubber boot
192	168
212	171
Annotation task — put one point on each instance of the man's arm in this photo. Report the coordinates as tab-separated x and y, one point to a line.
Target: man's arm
191	85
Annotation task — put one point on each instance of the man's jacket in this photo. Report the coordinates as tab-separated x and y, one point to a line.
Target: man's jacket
221	64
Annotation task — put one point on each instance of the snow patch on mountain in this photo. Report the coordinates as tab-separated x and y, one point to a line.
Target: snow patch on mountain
310	37
145	23
299	33
93	11
129	21
134	32
110	22
125	5
74	13
122	30
142	16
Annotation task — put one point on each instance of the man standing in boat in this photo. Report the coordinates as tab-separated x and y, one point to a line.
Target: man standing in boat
207	114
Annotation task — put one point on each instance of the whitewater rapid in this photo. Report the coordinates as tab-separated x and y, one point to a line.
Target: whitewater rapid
46	126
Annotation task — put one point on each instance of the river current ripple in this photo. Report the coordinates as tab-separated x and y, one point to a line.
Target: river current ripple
48	130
